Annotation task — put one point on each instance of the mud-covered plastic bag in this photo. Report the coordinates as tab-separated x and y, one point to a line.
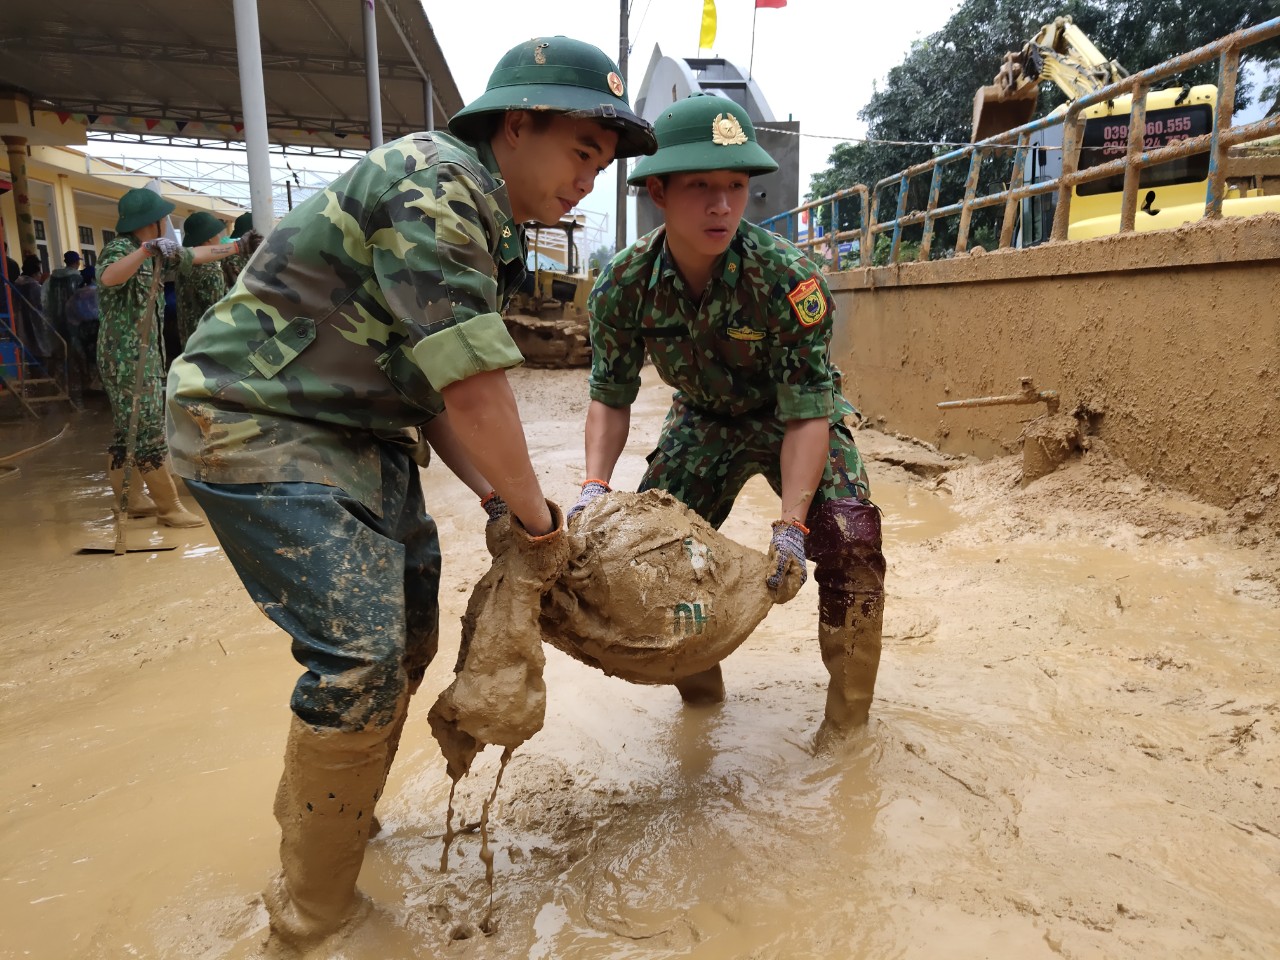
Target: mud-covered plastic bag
652	593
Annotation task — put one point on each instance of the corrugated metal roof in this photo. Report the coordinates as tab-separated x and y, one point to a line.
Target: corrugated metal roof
170	68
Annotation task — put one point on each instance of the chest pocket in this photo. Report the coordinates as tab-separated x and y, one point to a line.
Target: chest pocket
743	343
282	349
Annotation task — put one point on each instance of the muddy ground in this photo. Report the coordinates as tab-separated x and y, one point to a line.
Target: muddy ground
1073	751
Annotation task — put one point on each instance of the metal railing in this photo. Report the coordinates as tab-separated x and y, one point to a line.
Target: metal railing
1217	142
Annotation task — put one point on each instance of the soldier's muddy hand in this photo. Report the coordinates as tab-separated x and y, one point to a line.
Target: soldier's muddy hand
542	557
590	490
786	553
249	242
163	247
497	531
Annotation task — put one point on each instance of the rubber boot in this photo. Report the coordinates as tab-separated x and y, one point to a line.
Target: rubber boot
324	806
140	505
702	689
844	543
171	511
415	667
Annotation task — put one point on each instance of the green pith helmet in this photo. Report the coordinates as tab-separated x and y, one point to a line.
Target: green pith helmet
243	224
560	75
139	207
200	227
704	132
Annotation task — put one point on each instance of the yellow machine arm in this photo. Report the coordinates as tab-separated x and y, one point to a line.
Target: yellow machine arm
1059	52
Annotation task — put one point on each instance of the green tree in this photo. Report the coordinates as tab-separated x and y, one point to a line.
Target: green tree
600	257
928	97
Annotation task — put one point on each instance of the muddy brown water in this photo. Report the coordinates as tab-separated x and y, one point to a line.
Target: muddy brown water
1073	752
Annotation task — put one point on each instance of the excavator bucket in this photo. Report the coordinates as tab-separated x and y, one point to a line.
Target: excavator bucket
995	111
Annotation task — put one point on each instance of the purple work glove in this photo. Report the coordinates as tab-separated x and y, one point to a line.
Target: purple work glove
590	490
497	531
786	549
163	247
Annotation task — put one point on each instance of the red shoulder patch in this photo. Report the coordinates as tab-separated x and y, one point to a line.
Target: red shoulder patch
808	302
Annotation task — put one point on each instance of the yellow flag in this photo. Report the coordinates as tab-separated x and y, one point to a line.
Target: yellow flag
707	38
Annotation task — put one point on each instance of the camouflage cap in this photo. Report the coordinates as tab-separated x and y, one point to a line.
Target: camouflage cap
243	224
200	227
704	132
560	75
139	207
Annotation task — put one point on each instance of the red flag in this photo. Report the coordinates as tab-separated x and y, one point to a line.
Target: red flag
763	4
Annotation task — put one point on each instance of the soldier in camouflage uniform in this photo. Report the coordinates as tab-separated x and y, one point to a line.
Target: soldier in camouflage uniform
739	322
125	270
203	285
232	266
371	320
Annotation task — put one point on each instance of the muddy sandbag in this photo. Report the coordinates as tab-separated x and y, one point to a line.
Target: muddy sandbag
498	695
641	588
652	593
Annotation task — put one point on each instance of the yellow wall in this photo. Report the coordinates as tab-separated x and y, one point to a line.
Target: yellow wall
1171	341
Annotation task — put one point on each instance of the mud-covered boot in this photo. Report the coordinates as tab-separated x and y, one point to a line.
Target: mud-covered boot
171	511
702	689
324	806
140	505
844	543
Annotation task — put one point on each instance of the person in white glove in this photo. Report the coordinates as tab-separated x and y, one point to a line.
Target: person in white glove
126	267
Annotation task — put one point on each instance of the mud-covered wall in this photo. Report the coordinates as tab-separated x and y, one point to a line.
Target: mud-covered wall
1171	340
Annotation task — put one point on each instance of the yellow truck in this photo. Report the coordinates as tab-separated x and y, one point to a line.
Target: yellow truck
1169	194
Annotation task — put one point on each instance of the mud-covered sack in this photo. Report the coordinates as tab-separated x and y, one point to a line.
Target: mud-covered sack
498	695
652	592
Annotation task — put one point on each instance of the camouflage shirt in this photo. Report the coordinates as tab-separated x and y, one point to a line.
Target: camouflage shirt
122	309
198	290
363	303
755	342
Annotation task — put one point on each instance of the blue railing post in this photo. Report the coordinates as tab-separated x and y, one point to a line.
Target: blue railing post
1228	74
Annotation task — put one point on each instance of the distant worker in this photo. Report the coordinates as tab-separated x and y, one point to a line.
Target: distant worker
233	264
62	283
204	284
82	322
369	321
739	322
126	268
35	332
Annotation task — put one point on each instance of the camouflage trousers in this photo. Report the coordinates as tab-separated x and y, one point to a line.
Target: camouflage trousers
358	593
151	447
704	460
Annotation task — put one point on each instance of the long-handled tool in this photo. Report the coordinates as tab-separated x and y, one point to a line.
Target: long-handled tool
120	509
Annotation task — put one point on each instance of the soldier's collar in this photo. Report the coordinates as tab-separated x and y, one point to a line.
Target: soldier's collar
484	150
511	239
732	268
729	269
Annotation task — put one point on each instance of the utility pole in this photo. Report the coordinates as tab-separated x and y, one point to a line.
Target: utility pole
620	217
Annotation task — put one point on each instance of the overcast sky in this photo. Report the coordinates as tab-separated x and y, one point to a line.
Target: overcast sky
816	61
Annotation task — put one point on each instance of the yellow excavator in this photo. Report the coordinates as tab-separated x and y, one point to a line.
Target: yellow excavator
547	316
1170	194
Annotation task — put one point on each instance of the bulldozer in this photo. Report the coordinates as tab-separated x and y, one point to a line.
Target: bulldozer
547	316
1170	194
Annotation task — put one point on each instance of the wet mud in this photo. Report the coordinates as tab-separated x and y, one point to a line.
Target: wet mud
1073	750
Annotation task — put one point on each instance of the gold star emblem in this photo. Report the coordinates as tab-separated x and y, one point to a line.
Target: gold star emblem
726	131
506	232
733	268
615	84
